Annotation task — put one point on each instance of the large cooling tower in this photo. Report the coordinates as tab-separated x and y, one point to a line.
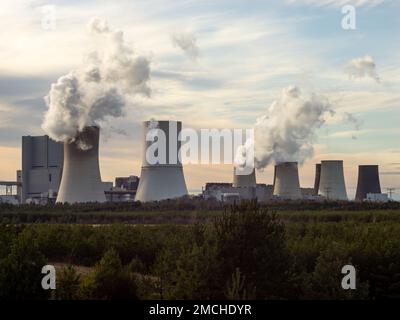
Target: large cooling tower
286	181
247	180
317	178
81	180
332	185
368	181
159	181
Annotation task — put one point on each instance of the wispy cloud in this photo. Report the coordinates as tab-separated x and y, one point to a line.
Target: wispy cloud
339	3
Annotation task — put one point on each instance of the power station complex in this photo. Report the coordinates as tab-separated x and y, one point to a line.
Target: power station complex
69	172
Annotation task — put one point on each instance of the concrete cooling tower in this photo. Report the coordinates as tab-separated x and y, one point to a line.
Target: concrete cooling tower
368	181
159	181
240	181
332	185
317	178
81	180
286	181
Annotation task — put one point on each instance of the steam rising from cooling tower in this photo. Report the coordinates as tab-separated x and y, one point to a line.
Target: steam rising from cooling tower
287	131
332	185
286	181
81	180
368	181
161	179
98	90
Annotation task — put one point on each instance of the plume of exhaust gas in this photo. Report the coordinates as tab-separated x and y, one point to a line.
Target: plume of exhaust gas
286	132
99	90
353	120
187	43
362	67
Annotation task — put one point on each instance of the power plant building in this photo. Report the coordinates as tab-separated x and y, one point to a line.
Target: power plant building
332	184
162	179
42	166
244	180
368	181
286	181
81	180
317	178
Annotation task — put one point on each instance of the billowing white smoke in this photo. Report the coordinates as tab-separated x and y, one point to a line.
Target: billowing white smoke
91	94
187	43
362	67
287	131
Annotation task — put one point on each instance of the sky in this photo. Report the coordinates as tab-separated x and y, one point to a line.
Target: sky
241	55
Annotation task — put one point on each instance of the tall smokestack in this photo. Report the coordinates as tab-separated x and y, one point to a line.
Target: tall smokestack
332	185
159	181
286	181
81	180
368	181
317	178
240	181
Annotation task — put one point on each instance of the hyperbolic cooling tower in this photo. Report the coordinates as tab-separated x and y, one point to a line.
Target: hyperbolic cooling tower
81	180
248	180
317	178
286	181
368	181
162	180
332	185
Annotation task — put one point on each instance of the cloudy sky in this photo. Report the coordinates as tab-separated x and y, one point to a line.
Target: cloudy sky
215	64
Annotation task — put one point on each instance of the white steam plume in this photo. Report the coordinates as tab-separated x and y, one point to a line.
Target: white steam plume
97	91
362	67
287	131
187	43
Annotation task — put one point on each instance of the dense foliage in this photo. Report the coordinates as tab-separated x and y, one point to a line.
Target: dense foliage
247	252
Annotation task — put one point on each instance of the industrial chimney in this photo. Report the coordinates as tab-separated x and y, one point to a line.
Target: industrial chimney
81	180
240	181
286	181
163	179
332	185
368	181
317	178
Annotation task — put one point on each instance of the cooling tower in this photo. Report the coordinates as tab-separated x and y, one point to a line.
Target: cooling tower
317	178
165	180
81	180
332	185
286	181
368	181
248	180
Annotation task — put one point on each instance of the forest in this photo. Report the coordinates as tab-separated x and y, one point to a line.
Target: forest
241	251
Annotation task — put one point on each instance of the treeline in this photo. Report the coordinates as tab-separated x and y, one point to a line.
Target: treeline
247	252
186	210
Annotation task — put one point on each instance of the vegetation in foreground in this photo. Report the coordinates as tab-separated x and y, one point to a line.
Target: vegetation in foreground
245	253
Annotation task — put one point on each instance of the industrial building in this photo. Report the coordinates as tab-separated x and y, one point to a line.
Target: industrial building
368	181
286	181
224	191
42	166
124	190
159	181
332	185
81	180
